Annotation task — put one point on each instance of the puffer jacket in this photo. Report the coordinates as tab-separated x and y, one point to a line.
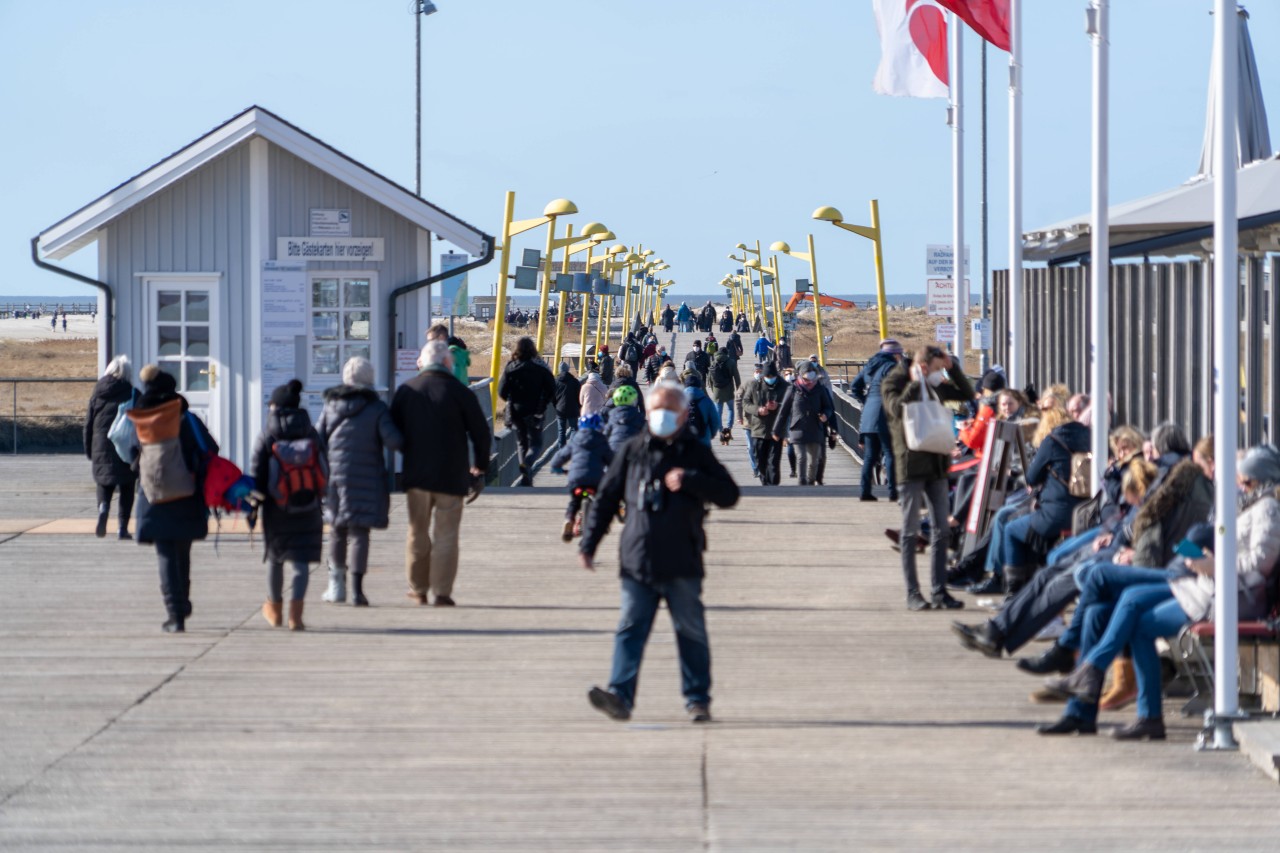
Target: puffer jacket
355	431
588	454
898	388
1183	499
625	422
592	395
108	468
1257	548
1050	470
290	536
567	389
799	418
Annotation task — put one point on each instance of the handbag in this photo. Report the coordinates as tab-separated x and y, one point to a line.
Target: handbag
122	434
928	424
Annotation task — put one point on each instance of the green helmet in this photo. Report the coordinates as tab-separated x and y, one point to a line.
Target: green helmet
625	395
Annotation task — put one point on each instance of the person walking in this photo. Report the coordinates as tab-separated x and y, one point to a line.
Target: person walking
873	426
289	468
802	420
668	319
698	360
722	385
782	353
443	427
704	415
110	472
355	431
593	394
684	317
605	364
762	349
631	353
171	509
461	359
568	408
761	402
666	480
587	454
921	475
528	388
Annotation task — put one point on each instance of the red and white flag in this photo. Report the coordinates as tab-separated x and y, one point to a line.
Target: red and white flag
988	18
913	48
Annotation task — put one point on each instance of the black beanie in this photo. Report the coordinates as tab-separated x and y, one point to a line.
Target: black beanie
161	383
770	369
287	396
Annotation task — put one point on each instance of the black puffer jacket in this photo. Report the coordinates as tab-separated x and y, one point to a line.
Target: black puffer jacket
108	468
290	536
800	418
567	388
528	387
666	541
355	431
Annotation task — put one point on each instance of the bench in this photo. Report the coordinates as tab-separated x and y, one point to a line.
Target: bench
1259	653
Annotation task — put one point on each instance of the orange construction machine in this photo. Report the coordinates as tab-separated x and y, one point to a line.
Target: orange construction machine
827	301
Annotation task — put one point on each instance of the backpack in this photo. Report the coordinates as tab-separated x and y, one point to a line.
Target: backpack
162	468
221	474
1081	472
697	420
298	474
721	375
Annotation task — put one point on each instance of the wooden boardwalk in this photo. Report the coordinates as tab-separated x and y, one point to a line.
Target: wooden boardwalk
843	722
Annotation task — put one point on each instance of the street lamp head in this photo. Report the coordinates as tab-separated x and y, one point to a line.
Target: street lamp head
740	246
657	260
617	249
828	214
633	258
752	263
603	237
780	246
591	229
647	252
731	257
560	207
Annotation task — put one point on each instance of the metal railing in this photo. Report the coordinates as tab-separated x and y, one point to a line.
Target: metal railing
23	430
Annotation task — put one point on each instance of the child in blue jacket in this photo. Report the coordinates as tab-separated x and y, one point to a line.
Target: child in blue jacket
587	454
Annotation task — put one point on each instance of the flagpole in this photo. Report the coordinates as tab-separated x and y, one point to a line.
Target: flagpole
1226	360
1100	253
1013	290
983	362
957	183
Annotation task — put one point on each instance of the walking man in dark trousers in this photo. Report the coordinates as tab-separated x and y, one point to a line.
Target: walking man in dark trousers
667	477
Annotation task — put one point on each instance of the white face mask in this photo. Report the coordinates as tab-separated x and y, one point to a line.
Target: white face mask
936	378
663	423
812	376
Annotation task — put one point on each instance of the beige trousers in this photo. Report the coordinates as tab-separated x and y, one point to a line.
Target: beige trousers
431	552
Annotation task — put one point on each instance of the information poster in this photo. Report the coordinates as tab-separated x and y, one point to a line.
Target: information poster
406	365
453	290
330	222
284	299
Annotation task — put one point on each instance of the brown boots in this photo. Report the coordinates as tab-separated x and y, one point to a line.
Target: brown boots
295	616
1123	689
271	611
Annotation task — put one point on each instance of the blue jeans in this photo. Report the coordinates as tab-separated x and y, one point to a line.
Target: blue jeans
1071	545
876	446
725	422
1165	619
751	452
1016	532
995	550
639	606
565	427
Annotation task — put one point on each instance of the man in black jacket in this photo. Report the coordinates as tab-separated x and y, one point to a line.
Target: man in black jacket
666	476
438	416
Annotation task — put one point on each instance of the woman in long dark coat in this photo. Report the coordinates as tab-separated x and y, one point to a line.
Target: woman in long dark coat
110	472
173	525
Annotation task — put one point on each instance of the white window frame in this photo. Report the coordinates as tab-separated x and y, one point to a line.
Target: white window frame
319	380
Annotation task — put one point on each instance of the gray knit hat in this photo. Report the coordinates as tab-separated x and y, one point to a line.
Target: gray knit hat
1261	464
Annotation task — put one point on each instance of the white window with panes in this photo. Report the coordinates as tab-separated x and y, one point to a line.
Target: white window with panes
341	323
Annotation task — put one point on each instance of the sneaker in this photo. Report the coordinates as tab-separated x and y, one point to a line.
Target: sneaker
608	703
699	713
993	584
915	601
337	591
944	601
566	532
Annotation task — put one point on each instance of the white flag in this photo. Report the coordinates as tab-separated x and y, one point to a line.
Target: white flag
913	48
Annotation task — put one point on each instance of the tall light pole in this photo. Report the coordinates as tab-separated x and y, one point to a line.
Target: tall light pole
421	8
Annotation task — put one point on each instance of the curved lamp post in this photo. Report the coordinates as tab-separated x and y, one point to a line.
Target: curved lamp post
836	218
784	248
598	235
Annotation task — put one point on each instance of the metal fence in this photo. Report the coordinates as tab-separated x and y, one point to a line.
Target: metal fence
36	422
1161	340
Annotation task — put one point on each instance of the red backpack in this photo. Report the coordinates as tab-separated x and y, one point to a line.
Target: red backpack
299	474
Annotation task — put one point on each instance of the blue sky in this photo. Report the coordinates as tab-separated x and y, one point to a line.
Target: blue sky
688	126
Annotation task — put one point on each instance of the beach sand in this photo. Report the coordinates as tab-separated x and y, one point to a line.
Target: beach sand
78	326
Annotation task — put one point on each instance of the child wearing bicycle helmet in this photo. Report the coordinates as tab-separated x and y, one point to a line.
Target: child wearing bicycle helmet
586	455
625	418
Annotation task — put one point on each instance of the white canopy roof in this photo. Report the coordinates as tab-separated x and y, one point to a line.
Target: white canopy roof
1166	214
81	228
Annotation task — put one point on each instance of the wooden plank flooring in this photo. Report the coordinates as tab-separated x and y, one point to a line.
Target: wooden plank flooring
844	722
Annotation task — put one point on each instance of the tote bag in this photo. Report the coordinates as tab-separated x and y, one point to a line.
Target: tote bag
122	434
927	424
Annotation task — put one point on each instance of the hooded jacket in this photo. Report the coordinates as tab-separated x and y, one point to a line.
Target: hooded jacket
355	430
528	387
663	538
592	395
290	536
567	390
1183	499
108	468
588	453
756	394
185	518
625	422
1050	470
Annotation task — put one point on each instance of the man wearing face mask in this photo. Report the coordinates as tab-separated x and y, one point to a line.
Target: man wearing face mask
922	476
745	422
761	403
802	419
667	477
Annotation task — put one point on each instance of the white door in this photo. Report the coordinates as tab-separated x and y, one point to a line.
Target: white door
183	329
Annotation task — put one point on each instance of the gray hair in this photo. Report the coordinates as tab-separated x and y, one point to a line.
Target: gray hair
435	353
1168	437
667	387
119	368
358	371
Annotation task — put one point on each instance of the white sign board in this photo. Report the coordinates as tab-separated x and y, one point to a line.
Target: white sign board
980	334
406	365
330	222
939	260
279	363
945	333
940	296
284	299
329	248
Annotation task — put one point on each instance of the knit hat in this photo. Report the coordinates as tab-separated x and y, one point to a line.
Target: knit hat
771	369
159	382
287	396
891	346
1261	464
993	381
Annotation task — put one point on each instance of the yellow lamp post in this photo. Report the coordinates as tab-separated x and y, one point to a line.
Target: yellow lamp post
614	265
747	271
548	268
589	297
774	294
510	228
631	260
599	235
809	256
655	292
607	270
745	294
836	218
